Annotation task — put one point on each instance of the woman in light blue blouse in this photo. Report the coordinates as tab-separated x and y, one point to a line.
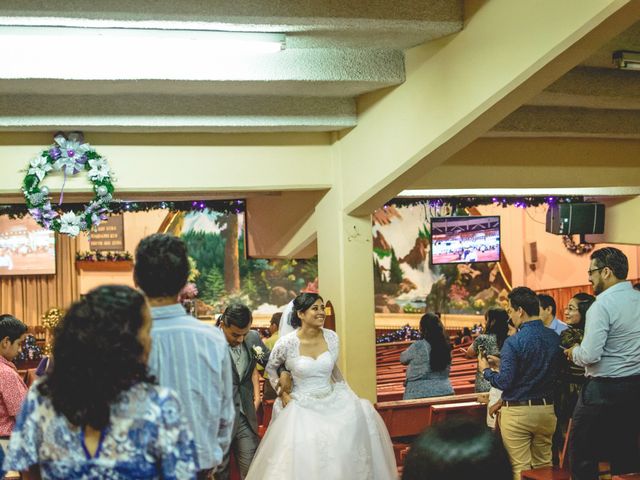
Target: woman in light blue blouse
98	413
429	361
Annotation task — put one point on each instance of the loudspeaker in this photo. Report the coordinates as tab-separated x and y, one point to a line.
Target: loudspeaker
570	218
531	253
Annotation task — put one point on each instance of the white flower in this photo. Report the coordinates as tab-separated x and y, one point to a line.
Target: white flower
99	169
72	157
70	224
258	352
39	167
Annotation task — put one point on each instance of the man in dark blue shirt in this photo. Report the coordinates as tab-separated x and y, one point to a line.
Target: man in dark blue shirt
528	365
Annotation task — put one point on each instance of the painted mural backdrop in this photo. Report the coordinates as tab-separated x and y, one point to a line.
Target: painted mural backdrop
404	280
223	274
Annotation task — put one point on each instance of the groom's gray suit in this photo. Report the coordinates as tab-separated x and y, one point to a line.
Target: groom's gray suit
245	429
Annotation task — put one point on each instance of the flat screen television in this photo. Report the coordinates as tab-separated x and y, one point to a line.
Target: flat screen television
25	247
465	240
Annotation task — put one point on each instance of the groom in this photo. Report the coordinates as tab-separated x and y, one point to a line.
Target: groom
246	349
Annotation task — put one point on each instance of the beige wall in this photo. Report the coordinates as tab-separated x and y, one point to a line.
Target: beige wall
556	266
136	226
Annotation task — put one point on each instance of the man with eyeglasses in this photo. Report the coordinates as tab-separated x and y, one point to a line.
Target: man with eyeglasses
528	368
606	420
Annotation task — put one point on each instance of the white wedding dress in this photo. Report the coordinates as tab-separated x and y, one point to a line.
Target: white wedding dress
325	432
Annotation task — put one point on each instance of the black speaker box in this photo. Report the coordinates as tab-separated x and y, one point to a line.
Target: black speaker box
570	218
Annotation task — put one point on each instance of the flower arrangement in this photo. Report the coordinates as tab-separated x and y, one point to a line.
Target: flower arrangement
189	292
51	318
187	298
104	256
69	156
400	335
30	351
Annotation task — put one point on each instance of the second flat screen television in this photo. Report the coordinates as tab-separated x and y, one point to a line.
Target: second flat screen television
465	240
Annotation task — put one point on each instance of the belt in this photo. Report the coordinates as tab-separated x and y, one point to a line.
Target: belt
528	403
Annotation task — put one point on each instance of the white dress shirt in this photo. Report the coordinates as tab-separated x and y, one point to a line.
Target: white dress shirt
611	344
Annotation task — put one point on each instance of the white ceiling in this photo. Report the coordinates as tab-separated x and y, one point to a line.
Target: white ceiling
334	52
593	100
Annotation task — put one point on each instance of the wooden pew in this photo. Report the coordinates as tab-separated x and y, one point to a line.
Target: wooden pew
407	418
441	412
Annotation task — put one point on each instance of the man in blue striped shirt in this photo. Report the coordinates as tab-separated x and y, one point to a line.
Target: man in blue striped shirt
187	355
606	420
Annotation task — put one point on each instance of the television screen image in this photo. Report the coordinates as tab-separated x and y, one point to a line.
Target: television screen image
26	248
465	240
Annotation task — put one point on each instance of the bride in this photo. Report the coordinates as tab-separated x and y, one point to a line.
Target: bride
322	430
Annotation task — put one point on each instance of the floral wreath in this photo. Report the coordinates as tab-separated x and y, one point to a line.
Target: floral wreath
70	156
577	248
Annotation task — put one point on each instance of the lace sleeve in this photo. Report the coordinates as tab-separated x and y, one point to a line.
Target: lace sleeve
277	358
333	342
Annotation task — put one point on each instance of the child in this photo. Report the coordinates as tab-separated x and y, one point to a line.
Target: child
12	389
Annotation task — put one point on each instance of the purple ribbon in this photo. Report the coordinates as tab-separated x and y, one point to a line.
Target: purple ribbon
64	181
77	167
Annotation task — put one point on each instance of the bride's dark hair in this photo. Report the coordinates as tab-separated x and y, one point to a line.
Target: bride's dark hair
302	303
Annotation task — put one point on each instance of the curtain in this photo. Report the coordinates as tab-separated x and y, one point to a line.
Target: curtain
28	297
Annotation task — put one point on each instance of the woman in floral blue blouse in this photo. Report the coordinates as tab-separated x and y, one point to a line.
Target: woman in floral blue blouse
98	414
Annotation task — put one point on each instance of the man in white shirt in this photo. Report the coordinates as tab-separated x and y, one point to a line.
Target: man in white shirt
606	420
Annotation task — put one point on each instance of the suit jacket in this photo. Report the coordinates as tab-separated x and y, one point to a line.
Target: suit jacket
243	386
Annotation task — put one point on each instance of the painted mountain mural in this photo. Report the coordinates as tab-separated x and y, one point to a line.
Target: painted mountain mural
406	282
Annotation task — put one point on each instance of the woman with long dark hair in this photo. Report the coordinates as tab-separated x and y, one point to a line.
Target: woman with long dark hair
571	377
98	413
490	342
429	361
322	430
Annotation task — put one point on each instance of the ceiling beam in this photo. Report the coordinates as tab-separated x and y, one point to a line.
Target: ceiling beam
129	113
458	88
494	163
149	169
569	122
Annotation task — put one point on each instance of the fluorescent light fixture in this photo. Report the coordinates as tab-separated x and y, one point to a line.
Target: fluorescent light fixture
170	42
138	53
626	60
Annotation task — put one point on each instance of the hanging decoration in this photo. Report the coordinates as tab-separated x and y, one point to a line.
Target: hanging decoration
70	156
454	204
224	207
577	248
400	335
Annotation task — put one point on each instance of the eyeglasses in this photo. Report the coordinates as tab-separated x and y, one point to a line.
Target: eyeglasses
590	272
571	308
